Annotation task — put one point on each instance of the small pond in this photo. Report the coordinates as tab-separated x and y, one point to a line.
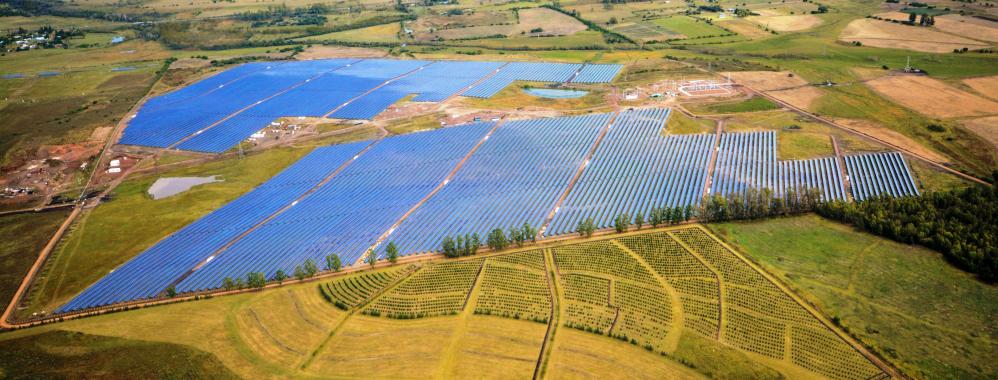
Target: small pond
555	93
168	186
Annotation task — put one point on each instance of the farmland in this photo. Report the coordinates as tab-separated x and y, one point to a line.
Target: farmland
657	291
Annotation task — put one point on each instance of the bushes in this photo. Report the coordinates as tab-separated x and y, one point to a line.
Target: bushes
961	224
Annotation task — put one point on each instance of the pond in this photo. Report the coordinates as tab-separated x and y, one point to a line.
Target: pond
169	186
554	93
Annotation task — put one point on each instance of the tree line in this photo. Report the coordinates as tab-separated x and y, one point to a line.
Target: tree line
961	224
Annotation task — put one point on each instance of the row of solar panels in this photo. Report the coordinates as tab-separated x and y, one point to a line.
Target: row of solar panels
342	199
216	113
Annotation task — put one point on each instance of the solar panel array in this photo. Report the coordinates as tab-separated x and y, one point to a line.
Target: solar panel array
879	173
151	272
512	179
347	214
473	178
596	73
215	114
634	170
527	71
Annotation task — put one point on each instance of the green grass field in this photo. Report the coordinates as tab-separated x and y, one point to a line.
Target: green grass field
753	104
928	318
688	26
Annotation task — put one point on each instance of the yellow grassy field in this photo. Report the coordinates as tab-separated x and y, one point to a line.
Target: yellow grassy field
552	22
581	355
932	97
986	127
885	34
970	27
987	86
789	23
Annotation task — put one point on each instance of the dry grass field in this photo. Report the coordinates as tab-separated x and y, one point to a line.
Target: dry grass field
891	136
553	22
931	97
767	80
788	23
987	86
986	127
971	27
884	34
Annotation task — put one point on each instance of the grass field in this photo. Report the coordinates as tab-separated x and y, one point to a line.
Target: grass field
753	104
378	33
681	124
688	26
64	354
25	234
929	318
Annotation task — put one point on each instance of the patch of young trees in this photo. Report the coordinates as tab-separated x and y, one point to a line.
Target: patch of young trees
497	240
466	245
961	224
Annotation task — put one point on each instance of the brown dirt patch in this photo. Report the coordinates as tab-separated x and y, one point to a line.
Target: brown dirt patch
803	97
791	23
987	86
320	52
891	136
986	127
970	27
190	63
885	34
932	97
767	80
100	133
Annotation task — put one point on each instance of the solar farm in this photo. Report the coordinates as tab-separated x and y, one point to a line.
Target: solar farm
415	189
216	113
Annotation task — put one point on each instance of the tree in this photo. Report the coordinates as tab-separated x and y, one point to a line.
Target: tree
621	223
310	268
475	243
392	252
448	248
497	240
299	273
256	280
171	291
586	228
333	262
639	220
239	283
371	258
280	276
516	236
529	232
655	217
228	283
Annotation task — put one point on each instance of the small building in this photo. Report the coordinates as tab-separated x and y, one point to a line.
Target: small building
115	163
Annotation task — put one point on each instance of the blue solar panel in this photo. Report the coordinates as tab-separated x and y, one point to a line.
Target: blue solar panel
151	272
514	178
349	212
634	170
875	174
597	73
526	71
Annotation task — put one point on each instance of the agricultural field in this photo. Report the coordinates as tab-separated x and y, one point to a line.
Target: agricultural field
929	319
643	301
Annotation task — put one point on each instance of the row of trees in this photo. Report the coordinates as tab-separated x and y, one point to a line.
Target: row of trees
466	245
961	224
497	240
754	204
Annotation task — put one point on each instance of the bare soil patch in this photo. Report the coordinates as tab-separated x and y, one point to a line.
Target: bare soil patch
891	136
932	97
987	86
885	34
767	80
791	23
986	127
803	97
970	27
320	52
